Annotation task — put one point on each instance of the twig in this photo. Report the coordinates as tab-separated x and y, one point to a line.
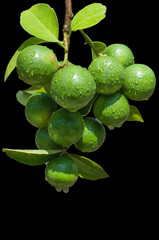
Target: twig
66	29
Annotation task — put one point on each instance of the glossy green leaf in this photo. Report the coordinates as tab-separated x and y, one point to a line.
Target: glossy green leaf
88	169
135	115
88	16
100	46
12	63
31	157
85	110
23	95
41	21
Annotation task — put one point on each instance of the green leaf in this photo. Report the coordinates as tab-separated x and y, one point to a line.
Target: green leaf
85	110
88	169
12	63
135	115
23	95
100	46
41	21
31	157
88	16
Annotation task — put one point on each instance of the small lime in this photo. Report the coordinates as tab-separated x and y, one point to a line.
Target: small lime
65	127
107	73
61	173
139	82
43	140
93	136
39	108
36	65
120	52
73	87
112	110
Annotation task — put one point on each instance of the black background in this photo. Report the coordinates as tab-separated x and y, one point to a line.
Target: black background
129	154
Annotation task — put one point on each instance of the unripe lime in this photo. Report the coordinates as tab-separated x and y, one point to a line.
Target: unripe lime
73	87
120	52
43	140
36	65
139	82
39	108
65	127
61	173
93	136
107	73
112	110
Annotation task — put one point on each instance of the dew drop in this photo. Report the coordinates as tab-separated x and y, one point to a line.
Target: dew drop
33	54
58	190
111	127
66	190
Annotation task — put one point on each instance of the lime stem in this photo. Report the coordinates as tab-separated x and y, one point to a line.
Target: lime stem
66	29
89	41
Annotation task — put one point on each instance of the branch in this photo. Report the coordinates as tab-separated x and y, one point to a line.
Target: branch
66	29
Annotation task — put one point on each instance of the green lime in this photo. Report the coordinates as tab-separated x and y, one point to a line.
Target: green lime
43	140
107	73
73	87
39	108
112	110
139	82
65	127
36	65
61	173
93	136
120	52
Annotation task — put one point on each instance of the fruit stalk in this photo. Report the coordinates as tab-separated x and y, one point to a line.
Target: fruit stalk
66	29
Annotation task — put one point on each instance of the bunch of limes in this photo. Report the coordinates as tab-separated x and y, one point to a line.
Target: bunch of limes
109	82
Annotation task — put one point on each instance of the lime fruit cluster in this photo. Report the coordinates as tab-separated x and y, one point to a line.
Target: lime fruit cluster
61	113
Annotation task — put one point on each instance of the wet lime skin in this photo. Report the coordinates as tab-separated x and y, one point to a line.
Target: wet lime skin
121	53
112	110
36	65
107	73
43	140
65	127
61	173
73	87
39	108
139	82
93	135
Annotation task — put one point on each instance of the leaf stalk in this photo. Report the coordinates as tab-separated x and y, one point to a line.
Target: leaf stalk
89	41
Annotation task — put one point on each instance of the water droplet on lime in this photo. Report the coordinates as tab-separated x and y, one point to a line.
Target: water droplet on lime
66	190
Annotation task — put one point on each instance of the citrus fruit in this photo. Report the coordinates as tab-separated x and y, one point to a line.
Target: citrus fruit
47	86
65	127
73	87
112	110
120	52
39	108
36	65
43	140
139	82
93	136
107	73
61	173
